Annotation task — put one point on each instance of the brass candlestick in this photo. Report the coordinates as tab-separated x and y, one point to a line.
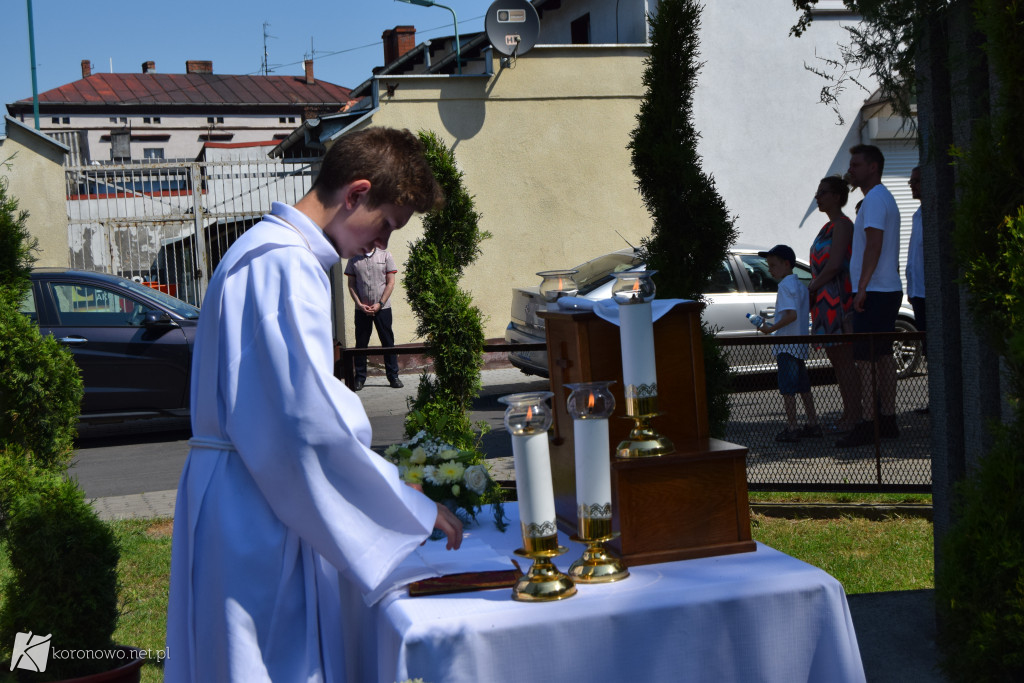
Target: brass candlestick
643	440
544	582
634	291
590	405
597	565
527	420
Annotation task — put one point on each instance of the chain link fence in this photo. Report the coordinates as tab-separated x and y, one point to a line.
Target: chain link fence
757	415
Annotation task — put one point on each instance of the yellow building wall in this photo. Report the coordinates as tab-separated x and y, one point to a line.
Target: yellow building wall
36	179
542	145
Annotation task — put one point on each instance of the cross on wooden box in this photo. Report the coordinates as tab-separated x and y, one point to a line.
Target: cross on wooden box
691	503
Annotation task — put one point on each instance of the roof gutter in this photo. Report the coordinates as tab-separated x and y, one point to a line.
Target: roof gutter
297	135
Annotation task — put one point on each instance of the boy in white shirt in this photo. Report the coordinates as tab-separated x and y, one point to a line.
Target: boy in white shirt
792	313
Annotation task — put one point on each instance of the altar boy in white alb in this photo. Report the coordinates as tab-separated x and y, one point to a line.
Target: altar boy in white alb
282	505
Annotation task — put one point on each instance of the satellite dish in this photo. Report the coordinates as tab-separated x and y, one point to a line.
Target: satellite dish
512	26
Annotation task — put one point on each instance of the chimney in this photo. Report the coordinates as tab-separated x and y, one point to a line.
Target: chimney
197	66
398	41
86	68
309	72
149	67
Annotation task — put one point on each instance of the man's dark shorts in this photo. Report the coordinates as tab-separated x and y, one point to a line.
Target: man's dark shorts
793	377
879	315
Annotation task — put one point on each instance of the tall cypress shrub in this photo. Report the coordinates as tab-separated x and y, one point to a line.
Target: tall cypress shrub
692	230
447	320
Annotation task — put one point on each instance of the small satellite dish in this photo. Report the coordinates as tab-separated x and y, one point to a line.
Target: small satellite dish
512	26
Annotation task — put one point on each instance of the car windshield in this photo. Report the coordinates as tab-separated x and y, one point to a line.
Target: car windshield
596	272
182	308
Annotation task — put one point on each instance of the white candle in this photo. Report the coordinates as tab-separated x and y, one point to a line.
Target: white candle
636	332
593	477
533	482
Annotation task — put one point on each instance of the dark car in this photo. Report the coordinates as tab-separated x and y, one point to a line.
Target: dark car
133	343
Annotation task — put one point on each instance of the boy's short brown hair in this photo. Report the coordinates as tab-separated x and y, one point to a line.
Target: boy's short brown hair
392	160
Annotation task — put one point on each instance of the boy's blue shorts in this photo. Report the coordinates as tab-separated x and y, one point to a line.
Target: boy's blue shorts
793	377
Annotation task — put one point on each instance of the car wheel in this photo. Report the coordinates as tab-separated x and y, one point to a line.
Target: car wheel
907	354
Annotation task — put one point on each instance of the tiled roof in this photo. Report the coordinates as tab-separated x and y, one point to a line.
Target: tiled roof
106	89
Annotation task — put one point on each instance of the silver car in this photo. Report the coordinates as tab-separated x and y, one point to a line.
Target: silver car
742	285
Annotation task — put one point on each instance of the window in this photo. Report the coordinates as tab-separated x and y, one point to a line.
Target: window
56	119
579	30
151	119
152	152
113	119
760	279
89	306
722	281
156	119
28	307
215	119
66	119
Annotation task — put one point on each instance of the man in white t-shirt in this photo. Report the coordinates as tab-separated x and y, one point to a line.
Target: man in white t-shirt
878	292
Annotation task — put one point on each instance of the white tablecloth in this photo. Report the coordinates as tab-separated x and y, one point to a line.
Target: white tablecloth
758	616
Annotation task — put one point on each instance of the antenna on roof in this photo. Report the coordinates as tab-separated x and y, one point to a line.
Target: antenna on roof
265	67
624	239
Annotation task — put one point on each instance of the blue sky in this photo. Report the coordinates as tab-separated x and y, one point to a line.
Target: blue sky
343	36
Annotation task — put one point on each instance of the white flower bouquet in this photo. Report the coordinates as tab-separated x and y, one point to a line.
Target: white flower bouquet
454	477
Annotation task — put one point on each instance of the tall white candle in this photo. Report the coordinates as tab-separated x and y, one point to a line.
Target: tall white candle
593	476
533	482
636	332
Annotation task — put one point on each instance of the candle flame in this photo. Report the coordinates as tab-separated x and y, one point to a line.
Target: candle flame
636	286
529	413
590	402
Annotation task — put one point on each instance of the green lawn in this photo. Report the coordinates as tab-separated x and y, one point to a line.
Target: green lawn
865	556
145	568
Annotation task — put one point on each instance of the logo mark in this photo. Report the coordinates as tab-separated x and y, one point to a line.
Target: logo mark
31	652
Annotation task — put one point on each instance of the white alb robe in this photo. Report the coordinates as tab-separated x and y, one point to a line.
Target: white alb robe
281	491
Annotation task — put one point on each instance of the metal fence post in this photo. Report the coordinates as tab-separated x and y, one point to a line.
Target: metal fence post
202	273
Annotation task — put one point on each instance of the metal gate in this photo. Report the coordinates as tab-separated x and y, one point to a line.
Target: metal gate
168	224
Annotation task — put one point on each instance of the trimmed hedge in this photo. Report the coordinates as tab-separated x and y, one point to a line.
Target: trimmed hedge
447	320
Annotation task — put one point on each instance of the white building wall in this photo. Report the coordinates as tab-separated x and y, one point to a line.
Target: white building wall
183	131
765	137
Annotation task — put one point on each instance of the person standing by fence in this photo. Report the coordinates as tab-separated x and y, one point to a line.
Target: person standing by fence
878	292
832	293
791	313
371	280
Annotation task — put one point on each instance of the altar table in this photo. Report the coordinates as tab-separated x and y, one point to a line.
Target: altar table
757	616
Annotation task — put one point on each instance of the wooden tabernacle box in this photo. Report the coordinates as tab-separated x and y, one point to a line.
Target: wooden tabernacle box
691	503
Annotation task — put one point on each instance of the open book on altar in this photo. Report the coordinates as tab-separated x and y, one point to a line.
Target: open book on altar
432	569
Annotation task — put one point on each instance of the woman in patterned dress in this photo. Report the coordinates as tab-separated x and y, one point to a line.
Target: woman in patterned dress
831	292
